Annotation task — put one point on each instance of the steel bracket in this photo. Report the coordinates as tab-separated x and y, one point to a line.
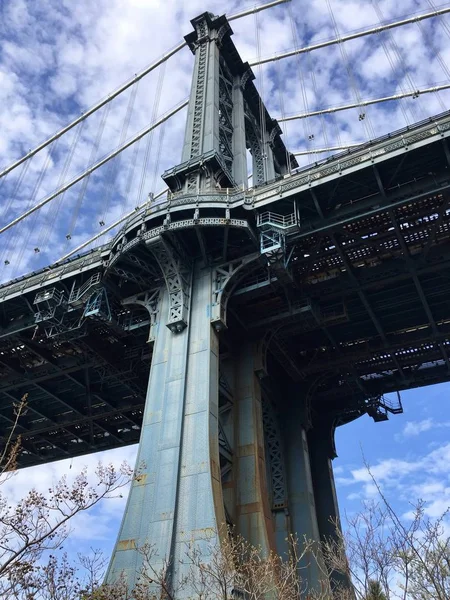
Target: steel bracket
177	273
222	290
151	301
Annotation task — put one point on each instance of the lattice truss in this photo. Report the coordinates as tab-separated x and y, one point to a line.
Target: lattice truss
226	115
177	272
274	453
200	89
226	438
253	136
372	314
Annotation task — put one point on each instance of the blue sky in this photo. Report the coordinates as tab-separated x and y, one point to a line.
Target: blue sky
409	455
58	57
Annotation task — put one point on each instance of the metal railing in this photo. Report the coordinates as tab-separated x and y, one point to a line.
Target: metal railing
271	219
77	293
52	296
393	406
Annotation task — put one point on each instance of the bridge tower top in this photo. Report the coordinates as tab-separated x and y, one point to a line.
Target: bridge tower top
226	116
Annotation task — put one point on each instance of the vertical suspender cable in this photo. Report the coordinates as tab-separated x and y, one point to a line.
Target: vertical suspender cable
48	227
149	144
17	241
114	165
134	159
314	84
443	24
306	122
93	168
131	172
362	116
400	61
18	183
262	116
84	184
278	83
441	61
96	107
441	19
162	133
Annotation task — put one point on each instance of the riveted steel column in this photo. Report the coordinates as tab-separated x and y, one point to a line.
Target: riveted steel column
152	502
269	165
321	446
302	507
239	143
276	471
176	497
254	517
227	421
202	126
200	511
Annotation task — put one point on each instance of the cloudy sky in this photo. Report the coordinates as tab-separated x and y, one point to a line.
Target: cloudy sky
59	57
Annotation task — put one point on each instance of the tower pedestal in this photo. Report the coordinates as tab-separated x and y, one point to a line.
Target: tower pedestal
176	496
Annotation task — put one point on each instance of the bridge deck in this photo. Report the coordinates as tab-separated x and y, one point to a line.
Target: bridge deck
362	308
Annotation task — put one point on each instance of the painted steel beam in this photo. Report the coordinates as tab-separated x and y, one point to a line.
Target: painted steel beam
63	401
47	356
376	205
366	302
411	267
419	287
26	432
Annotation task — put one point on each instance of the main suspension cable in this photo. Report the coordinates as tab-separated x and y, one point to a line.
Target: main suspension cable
99	164
114	165
108	229
324	150
333	109
256	9
352	36
125	86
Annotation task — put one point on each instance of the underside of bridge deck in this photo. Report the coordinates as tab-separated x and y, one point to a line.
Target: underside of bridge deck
354	307
231	330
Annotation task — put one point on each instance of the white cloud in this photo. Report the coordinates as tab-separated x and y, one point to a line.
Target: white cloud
90	528
405	480
60	57
414	428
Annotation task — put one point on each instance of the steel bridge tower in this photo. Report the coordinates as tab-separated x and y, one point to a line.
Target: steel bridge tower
234	328
222	443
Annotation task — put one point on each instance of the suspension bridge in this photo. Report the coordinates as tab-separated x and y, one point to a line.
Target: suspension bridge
234	318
